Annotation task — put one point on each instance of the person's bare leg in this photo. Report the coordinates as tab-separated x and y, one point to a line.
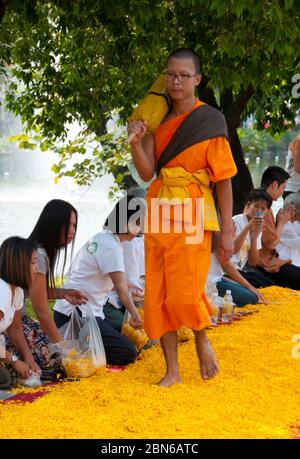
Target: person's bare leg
169	347
207	359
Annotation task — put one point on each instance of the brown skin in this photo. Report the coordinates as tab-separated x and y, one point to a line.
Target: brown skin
295	148
142	147
233	273
254	227
39	294
284	215
15	332
121	287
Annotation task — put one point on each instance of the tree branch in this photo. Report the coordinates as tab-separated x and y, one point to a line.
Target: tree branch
236	109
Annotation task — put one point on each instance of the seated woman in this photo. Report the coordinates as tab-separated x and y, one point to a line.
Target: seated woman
134	264
54	230
289	243
241	290
18	260
248	227
133	252
96	269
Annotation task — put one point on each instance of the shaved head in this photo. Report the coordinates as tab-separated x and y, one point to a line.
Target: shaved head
186	53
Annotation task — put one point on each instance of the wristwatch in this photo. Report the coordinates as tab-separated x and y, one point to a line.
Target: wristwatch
14	358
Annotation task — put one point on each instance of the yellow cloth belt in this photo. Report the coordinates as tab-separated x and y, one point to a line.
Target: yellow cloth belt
175	182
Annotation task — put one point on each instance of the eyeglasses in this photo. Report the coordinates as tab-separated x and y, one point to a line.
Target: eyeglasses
181	77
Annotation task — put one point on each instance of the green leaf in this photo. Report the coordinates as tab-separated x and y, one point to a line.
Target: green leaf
27	145
55	169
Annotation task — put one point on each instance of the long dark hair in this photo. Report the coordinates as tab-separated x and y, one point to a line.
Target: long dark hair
15	260
53	223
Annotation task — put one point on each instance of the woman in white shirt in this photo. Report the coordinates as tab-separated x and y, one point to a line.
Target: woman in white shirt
17	270
134	264
97	268
133	254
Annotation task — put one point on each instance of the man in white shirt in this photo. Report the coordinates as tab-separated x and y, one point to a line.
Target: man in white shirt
248	227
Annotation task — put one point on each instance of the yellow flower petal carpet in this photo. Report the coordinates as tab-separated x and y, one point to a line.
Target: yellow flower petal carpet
255	395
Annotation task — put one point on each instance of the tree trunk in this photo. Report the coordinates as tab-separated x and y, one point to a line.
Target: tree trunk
242	181
3	6
232	110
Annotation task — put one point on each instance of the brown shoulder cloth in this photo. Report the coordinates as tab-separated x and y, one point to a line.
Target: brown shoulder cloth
203	123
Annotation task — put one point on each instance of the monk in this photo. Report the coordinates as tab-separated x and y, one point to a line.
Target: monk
187	152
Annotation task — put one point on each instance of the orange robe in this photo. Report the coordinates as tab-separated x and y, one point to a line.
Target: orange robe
176	272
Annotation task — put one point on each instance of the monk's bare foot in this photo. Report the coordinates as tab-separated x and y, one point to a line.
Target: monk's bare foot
169	380
208	361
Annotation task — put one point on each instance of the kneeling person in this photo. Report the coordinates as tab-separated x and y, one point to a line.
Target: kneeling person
97	268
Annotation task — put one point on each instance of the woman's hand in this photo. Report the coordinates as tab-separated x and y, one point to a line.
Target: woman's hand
260	297
137	292
21	368
34	367
135	321
74	297
136	131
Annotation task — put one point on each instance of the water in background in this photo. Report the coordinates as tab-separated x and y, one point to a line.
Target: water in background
27	184
258	163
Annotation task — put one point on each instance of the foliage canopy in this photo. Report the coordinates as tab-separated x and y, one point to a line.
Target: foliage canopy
81	60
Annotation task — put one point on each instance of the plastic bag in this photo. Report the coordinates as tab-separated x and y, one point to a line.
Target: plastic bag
137	337
70	330
77	361
34	380
84	337
210	289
